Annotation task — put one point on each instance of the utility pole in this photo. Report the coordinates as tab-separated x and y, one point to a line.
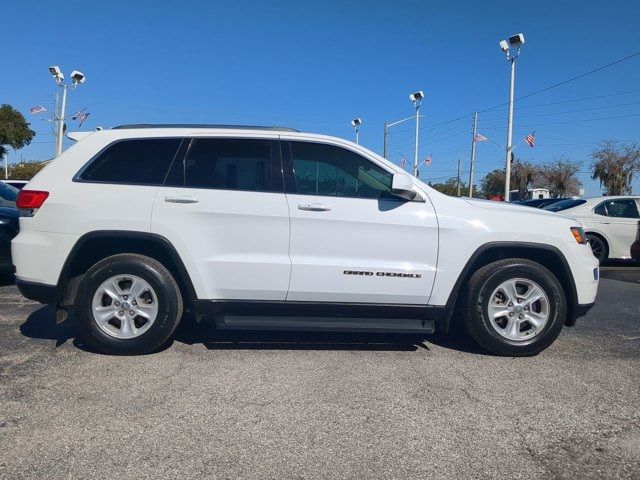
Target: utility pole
6	166
474	132
458	177
507	180
511	49
55	121
384	141
416	99
61	121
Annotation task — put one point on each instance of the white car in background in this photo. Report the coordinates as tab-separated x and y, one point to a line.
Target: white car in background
609	222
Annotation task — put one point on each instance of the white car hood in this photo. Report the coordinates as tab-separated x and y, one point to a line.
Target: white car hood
504	206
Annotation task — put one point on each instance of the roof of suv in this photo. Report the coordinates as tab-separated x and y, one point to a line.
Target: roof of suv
201	125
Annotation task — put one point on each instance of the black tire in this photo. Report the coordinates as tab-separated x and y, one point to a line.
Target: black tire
481	286
168	295
598	246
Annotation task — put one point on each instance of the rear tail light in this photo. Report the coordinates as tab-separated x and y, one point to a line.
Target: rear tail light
29	201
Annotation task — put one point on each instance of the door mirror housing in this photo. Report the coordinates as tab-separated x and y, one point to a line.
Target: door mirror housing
402	186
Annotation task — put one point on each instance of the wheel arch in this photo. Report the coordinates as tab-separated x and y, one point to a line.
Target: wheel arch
546	255
602	236
95	246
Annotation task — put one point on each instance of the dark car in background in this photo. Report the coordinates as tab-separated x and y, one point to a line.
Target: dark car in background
540	202
19	184
8	223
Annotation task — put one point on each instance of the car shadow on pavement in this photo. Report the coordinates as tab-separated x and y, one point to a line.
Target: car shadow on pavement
42	324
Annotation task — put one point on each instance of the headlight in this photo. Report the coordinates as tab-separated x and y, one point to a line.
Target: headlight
579	235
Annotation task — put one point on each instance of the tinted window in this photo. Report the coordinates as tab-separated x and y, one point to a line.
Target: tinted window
333	171
619	208
8	195
139	162
601	209
564	205
233	164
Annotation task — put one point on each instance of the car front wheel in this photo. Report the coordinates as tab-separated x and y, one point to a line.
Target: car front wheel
598	247
515	307
127	304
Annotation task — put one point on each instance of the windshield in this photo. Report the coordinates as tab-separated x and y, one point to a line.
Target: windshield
8	195
563	205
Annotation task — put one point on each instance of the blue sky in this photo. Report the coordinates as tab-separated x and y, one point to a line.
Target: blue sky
316	65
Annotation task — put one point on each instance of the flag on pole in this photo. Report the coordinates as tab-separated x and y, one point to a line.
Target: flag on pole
37	109
82	117
479	138
531	139
427	161
403	163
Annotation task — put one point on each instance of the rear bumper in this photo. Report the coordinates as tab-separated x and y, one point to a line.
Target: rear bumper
39	292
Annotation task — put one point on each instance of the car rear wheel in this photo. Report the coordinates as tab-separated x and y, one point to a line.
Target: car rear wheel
598	246
515	307
127	304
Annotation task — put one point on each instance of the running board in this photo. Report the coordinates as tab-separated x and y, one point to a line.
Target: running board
382	325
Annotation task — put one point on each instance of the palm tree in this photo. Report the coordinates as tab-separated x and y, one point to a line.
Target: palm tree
614	165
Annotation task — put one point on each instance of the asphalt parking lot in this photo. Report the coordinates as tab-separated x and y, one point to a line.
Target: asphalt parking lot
287	405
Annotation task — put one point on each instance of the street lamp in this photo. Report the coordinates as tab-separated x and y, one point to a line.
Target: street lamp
355	123
511	49
416	99
77	78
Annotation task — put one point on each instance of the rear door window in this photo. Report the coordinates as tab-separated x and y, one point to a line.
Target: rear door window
233	164
142	161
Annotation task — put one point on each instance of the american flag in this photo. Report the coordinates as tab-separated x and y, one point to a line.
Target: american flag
403	163
427	161
81	116
479	138
531	139
37	109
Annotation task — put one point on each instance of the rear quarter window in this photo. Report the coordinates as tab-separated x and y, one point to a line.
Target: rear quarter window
136	161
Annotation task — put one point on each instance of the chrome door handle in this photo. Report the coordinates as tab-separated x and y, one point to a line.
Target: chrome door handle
313	207
181	199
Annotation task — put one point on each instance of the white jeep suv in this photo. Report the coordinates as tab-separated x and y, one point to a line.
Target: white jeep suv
270	228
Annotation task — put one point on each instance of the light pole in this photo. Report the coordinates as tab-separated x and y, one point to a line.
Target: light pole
355	123
77	78
514	43
416	99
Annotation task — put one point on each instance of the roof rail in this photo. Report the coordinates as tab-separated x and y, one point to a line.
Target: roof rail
201	125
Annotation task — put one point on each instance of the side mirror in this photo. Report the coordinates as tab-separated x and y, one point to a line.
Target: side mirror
402	186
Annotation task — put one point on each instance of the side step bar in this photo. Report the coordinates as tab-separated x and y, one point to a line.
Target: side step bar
382	325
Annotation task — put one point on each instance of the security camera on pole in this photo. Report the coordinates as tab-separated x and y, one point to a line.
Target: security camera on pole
355	123
77	78
416	98
511	49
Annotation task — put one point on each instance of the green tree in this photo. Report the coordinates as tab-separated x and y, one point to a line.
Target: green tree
523	175
14	129
614	165
450	187
25	170
493	183
560	176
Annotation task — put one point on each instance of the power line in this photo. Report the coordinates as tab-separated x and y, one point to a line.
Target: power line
564	82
